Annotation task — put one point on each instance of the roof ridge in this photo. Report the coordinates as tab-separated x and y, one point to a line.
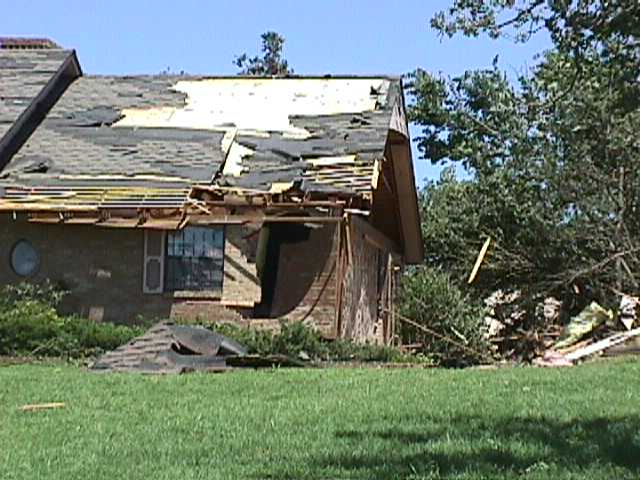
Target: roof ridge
27	43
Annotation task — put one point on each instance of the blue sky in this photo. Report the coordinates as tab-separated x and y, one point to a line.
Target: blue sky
202	37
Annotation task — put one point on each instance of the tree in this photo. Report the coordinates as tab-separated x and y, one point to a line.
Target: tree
271	62
574	26
550	159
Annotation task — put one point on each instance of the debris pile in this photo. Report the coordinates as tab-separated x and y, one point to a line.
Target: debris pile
595	330
525	330
170	348
517	328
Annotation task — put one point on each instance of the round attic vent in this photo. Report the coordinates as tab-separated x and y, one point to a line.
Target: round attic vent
25	259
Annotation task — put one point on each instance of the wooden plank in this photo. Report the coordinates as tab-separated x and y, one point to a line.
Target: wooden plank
242	219
339	279
42	406
375	236
603	344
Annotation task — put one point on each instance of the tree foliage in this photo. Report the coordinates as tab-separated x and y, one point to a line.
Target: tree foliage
270	62
549	159
575	26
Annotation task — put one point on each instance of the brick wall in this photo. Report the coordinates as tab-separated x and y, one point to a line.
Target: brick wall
305	287
241	285
103	270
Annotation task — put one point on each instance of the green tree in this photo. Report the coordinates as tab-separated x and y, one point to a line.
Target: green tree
549	159
552	158
270	63
574	26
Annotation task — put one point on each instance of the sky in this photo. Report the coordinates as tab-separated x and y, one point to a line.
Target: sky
203	37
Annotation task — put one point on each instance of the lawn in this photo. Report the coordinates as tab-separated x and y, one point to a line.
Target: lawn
582	422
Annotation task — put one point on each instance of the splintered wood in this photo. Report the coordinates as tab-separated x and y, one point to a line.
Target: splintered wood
42	406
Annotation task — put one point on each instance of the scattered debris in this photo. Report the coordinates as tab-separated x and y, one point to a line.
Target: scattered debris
603	344
502	311
552	358
582	324
628	310
170	348
42	406
551	310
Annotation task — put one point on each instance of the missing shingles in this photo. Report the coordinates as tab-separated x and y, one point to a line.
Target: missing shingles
359	120
101	116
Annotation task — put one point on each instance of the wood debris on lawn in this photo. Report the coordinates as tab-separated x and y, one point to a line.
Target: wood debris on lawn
42	406
602	345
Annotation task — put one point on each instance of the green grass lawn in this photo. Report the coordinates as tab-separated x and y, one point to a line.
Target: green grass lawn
577	423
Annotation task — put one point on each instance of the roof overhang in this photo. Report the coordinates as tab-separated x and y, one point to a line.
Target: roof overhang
406	192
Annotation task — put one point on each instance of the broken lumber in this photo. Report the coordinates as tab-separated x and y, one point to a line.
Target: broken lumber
479	260
42	406
603	344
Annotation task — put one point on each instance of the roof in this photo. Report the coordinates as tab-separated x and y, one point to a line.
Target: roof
23	74
77	138
27	43
169	348
318	133
31	80
88	143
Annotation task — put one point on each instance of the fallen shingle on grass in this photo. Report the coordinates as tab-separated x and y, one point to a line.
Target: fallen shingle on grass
529	423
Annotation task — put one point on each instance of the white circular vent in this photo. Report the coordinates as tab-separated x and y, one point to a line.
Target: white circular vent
25	259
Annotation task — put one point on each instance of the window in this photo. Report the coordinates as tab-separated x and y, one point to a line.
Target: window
25	259
194	260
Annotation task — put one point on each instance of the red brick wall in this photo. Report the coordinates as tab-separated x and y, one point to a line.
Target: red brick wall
305	287
102	268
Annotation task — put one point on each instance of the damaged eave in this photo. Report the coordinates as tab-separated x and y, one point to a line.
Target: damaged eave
192	213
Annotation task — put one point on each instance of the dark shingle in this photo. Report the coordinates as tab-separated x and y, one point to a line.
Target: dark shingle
23	74
76	139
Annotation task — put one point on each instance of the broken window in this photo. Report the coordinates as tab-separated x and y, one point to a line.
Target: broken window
195	259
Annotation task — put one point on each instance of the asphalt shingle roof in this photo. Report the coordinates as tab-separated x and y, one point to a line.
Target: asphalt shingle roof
77	139
130	128
23	74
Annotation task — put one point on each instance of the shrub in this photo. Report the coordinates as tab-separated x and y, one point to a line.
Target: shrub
429	298
258	342
30	325
296	338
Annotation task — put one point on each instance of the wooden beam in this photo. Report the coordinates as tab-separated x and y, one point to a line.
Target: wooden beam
339	281
375	236
242	219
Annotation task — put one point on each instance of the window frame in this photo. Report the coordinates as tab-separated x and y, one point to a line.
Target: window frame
38	263
171	287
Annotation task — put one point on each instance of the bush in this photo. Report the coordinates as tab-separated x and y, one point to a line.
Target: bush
296	338
430	298
259	342
30	325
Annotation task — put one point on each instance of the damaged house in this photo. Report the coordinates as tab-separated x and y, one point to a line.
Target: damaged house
237	199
